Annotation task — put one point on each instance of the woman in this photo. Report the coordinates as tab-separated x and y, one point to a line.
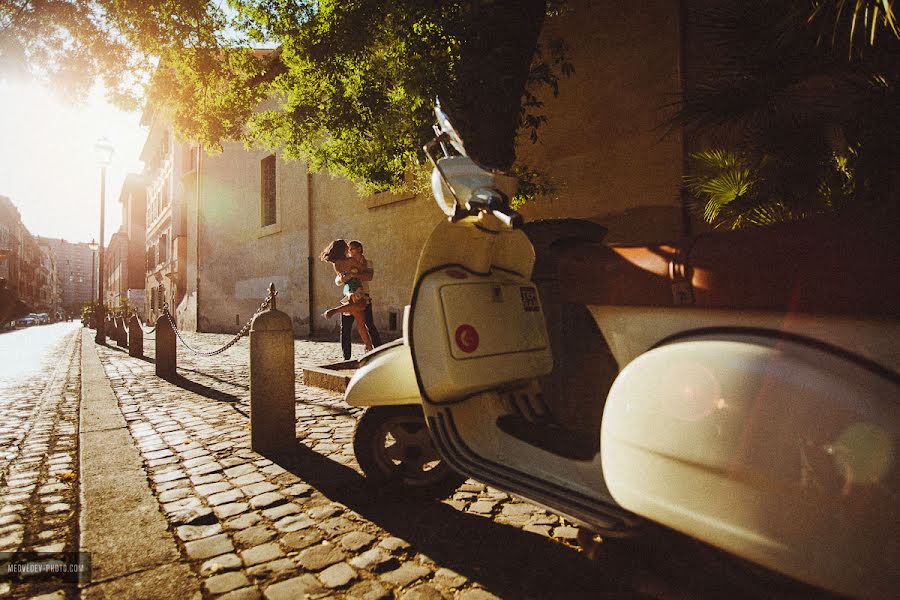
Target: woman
354	304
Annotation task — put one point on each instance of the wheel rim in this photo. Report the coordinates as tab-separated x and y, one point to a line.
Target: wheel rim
403	449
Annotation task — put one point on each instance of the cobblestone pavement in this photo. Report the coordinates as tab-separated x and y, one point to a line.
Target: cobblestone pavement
38	454
309	526
312	525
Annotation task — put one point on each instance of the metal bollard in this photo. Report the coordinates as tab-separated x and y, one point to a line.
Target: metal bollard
165	347
135	337
272	412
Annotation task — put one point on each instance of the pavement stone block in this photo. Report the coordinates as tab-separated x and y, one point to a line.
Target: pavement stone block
374	559
448	578
337	576
208	478
423	591
294	523
205	469
209	547
305	586
255	489
277	512
243	521
261	554
249	478
298	540
225	562
183	504
247	593
336	526
253	536
394	544
189	533
267	499
406	574
213	488
223	511
225	497
198	515
318	557
356	540
324	512
240	470
226	582
173	495
300	489
368	590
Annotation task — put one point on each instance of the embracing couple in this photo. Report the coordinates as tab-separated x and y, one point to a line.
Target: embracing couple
354	272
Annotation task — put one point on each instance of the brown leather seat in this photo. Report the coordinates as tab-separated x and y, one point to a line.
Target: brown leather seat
813	266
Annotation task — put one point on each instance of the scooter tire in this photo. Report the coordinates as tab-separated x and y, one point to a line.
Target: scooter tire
394	449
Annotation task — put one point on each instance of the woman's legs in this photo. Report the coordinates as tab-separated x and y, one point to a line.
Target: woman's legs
357	309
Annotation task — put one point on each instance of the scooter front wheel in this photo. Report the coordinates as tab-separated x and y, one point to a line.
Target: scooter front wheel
393	447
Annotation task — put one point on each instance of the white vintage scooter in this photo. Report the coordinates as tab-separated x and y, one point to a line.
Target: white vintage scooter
741	388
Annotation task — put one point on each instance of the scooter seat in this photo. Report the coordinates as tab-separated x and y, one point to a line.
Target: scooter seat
812	266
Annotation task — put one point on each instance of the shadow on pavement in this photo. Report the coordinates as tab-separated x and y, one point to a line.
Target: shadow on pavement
198	388
508	561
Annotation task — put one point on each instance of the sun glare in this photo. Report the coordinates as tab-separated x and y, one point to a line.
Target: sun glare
47	161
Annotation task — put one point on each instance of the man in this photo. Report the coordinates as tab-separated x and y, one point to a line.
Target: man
355	251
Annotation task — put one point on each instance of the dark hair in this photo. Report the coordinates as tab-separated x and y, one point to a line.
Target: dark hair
356	243
335	250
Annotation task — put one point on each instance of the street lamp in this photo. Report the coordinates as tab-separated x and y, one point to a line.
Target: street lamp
93	246
104	152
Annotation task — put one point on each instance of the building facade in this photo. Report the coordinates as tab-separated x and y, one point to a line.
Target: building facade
76	266
124	261
28	267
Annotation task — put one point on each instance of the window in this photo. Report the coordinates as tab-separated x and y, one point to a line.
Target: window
267	191
163	248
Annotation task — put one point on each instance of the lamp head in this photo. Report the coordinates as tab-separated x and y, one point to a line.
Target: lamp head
93	245
104	151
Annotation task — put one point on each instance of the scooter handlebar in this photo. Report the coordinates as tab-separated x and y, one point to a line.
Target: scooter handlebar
508	217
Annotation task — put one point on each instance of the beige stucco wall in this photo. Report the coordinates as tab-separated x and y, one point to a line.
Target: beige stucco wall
236	257
392	229
603	145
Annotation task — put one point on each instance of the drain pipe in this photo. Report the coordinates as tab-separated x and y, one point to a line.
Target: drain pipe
309	246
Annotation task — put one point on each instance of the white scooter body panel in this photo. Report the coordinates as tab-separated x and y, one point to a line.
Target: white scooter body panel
384	379
778	451
477	332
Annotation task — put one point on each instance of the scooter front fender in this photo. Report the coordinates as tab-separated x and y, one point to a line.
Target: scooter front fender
386	378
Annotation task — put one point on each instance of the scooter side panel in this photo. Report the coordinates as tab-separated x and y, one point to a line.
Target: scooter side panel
386	379
784	454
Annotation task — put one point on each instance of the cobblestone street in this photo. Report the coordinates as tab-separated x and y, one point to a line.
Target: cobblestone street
242	526
314	526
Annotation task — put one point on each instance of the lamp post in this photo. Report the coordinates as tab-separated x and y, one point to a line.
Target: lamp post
104	152
93	246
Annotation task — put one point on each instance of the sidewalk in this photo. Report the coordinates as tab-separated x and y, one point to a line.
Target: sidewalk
175	504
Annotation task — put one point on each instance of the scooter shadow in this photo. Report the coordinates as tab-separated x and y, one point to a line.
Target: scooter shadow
506	560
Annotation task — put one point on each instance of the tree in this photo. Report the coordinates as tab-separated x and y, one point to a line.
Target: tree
348	84
805	119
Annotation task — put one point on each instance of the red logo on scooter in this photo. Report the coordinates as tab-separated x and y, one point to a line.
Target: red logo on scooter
466	338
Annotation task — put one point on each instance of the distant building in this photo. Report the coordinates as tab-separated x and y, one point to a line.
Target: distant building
76	266
124	258
28	271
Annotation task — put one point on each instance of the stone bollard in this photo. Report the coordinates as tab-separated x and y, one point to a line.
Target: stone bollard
165	347
135	337
272	413
121	332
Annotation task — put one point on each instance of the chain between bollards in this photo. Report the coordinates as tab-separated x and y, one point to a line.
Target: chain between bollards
270	299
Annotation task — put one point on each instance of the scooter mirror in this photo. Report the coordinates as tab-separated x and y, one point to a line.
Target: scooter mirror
444	124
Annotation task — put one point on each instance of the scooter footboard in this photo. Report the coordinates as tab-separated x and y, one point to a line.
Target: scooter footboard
781	453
